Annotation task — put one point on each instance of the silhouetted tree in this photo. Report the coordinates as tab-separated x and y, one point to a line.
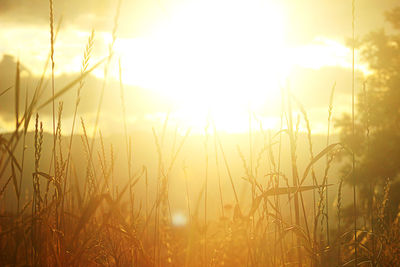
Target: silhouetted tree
377	136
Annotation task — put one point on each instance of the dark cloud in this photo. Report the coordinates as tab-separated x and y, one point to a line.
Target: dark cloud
136	16
139	101
304	19
37	11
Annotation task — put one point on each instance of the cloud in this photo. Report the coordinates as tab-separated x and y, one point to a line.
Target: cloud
139	102
136	16
309	18
146	108
37	11
311	84
304	19
306	84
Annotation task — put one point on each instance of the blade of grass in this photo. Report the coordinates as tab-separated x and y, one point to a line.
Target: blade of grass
5	91
353	130
17	93
71	84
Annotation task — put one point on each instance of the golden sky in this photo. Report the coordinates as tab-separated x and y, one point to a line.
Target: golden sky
193	58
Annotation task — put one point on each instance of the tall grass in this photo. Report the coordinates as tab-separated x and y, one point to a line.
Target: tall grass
353	133
76	217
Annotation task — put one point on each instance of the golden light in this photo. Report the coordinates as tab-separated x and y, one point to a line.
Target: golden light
218	57
179	219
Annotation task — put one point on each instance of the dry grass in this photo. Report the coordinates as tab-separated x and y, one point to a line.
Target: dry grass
92	220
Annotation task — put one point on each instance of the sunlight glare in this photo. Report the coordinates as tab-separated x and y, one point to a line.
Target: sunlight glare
179	219
223	57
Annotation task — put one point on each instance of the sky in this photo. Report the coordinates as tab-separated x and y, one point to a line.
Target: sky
191	59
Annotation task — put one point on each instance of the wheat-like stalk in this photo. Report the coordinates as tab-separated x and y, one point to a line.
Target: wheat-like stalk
53	82
353	132
106	67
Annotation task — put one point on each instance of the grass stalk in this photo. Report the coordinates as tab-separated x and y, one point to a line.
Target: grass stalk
353	133
339	215
105	73
295	175
206	189
53	81
221	199
123	105
330	108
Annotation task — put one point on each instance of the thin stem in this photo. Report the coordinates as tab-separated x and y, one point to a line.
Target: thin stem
353	135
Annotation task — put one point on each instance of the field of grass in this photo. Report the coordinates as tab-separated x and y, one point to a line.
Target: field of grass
73	201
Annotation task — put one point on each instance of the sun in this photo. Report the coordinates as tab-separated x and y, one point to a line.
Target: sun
213	57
